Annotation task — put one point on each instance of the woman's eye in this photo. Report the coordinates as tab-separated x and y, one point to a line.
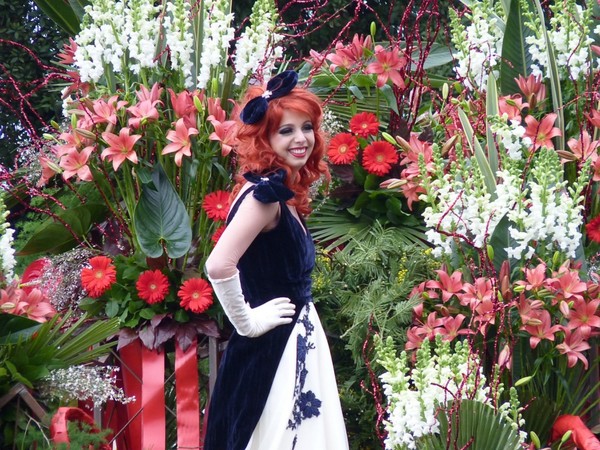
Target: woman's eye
285	131
308	127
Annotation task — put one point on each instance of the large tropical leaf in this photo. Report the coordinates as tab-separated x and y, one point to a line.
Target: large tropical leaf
475	425
515	57
333	227
66	13
58	236
14	328
160	218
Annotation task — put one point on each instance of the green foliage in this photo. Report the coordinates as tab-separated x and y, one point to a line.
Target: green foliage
359	290
58	343
33	434
473	425
22	22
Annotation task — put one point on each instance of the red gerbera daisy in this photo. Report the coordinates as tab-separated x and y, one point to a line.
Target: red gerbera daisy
364	124
152	286
195	295
378	157
593	229
217	234
98	278
342	149
216	205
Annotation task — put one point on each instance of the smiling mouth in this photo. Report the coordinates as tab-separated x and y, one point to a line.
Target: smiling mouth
298	152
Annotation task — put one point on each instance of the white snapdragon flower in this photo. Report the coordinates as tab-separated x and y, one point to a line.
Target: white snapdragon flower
179	38
7	252
415	395
569	32
258	42
218	33
479	46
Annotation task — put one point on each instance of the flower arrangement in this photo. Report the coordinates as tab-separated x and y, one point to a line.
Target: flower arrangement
150	109
505	177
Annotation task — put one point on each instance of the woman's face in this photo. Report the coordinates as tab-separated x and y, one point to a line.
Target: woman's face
294	139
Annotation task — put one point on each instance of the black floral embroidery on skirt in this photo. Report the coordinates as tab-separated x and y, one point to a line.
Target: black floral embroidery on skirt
307	404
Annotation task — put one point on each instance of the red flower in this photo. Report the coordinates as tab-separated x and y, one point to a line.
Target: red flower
216	205
364	124
342	149
217	234
195	295
378	157
593	229
100	277
152	286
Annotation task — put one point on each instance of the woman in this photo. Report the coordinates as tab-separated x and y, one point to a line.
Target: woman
275	388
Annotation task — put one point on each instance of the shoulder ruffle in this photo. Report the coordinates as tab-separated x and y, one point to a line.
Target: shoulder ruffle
270	188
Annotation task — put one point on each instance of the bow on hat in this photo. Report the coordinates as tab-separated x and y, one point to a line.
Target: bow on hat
278	86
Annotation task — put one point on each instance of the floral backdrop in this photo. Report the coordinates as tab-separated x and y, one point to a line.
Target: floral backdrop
458	238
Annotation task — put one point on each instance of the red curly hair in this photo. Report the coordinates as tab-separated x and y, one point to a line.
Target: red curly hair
256	155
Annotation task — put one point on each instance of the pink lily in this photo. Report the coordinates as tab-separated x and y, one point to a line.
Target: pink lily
387	66
451	327
144	94
106	111
48	170
145	111
534	278
180	141
540	328
594	118
541	133
225	133
511	106
76	163
584	147
448	284
120	147
568	286
583	316
533	88
573	346
183	106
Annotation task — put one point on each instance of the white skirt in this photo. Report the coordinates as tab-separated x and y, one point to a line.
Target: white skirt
303	409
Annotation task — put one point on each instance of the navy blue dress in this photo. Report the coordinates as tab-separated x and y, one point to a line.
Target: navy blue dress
278	263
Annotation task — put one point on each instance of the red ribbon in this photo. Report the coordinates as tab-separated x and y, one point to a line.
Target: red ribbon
581	435
59	431
153	399
187	391
131	372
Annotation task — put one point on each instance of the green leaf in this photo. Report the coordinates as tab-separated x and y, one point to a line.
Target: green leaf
161	219
54	237
15	328
147	313
356	92
500	240
112	308
62	13
516	58
491	106
390	97
474	425
480	156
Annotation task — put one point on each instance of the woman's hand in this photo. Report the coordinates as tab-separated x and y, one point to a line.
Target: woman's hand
269	315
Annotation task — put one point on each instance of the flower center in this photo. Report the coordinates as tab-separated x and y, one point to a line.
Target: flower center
380	158
99	274
195	296
152	286
364	125
343	149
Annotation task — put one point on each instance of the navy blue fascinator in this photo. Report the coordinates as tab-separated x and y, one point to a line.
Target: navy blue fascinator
278	86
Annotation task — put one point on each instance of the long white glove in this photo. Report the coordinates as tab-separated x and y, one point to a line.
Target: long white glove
251	322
